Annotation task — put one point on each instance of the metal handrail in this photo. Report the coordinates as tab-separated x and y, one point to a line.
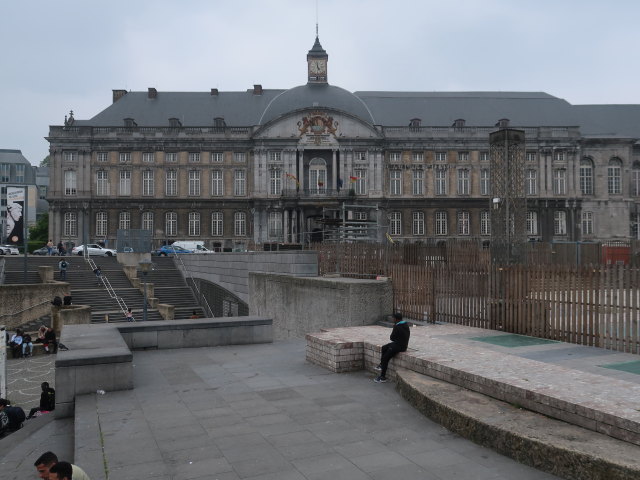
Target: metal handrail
105	282
187	275
24	310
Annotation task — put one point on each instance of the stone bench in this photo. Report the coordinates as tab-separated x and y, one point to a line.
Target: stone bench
100	358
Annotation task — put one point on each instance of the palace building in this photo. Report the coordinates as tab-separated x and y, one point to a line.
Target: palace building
291	166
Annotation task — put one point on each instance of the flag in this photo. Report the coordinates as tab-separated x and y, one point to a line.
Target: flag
389	238
293	177
353	179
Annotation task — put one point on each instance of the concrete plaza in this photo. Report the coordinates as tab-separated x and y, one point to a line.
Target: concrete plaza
261	412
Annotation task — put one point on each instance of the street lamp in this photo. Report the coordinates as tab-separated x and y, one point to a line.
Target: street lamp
145	266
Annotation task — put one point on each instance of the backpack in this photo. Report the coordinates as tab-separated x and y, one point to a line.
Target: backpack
63	264
16	417
57	301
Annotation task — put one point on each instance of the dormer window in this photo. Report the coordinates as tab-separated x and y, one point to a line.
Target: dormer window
415	122
175	123
503	123
459	123
219	122
130	123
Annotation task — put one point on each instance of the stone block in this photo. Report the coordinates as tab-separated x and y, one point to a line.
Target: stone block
145	339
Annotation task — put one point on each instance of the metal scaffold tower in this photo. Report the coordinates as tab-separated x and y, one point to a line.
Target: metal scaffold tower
350	223
508	201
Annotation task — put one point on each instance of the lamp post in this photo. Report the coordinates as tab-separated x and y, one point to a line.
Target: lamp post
145	266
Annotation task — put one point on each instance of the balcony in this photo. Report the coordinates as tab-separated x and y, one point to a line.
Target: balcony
314	192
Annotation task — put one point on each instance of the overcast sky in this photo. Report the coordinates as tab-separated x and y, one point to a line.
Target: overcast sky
69	54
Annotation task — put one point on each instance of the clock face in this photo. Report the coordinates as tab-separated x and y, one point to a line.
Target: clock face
317	66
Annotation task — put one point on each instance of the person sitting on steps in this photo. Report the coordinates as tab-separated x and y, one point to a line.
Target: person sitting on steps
399	343
27	344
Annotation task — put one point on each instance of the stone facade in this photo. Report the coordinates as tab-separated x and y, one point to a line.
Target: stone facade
234	168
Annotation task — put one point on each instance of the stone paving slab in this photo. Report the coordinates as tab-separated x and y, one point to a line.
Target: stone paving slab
592	399
261	412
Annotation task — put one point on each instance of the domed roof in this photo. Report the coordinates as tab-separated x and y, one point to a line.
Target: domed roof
316	96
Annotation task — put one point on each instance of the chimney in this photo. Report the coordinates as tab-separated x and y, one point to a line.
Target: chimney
214	92
257	89
118	94
152	93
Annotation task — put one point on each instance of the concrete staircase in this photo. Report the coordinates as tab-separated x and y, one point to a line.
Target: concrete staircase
170	286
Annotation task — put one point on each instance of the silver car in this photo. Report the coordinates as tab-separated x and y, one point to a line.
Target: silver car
94	249
10	250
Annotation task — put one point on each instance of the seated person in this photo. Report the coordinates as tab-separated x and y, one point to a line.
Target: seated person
27	344
11	417
16	344
48	339
66	299
47	400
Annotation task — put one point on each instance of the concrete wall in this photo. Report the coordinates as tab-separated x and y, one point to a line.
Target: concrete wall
231	270
132	258
69	315
16	298
301	305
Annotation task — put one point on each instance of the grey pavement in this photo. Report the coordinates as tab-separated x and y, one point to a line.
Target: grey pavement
24	376
262	412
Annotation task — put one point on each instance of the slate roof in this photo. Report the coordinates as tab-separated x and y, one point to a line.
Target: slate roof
523	109
12	156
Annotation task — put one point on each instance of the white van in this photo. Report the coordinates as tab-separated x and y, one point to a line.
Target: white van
193	245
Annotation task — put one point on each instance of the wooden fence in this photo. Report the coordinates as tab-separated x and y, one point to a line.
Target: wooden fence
587	305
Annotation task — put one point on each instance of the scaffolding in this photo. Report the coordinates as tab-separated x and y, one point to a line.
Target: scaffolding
350	223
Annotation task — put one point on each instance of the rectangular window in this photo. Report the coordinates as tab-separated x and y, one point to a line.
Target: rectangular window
124	221
395	182
559	222
275	225
360	181
418	223
240	224
217	183
194	224
485	185
125	157
5	172
275	157
587	223
102	183
586	179
395	224
532	223
148	157
463	157
70	224
70	156
463	181
171	157
560	181
441	181
171	183
441	157
418	182
217	157
485	223
395	156
239	183
531	182
20	173
532	156
171	224
125	182
484	156
147	183
147	221
635	182
103	157
558	156
101	224
441	223
194	183
360	216
70	186
217	224
275	181
417	157
463	223
194	157
614	184
239	157
360	156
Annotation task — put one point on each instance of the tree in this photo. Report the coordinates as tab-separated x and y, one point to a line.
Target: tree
46	161
40	231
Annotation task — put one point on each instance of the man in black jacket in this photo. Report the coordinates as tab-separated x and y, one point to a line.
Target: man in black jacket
47	400
399	343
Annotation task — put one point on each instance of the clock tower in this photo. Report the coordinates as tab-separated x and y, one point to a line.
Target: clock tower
317	64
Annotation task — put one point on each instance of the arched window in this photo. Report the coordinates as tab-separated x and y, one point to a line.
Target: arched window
102	224
317	176
635	179
395	223
586	176
614	176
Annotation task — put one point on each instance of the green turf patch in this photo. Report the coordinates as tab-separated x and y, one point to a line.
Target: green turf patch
631	367
513	340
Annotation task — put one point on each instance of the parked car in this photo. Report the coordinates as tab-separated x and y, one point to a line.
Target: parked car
10	249
166	250
196	246
93	249
45	251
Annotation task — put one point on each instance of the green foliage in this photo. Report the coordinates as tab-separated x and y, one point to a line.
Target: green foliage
40	231
46	161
